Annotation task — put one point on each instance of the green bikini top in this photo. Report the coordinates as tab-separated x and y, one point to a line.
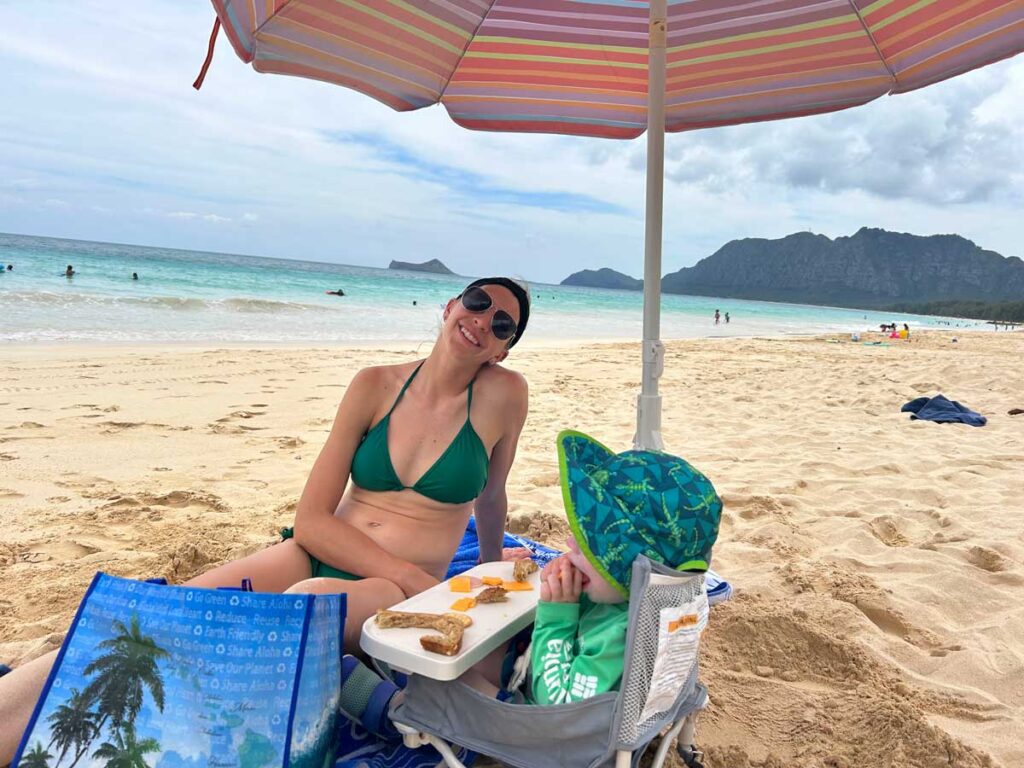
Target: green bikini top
458	475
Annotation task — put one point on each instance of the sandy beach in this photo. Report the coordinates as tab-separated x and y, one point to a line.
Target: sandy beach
878	563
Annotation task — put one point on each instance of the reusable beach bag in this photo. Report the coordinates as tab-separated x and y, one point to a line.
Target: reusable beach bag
154	676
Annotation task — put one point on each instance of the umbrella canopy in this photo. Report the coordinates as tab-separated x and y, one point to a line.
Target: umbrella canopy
615	68
580	66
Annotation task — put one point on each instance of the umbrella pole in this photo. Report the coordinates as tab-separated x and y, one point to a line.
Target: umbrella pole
648	407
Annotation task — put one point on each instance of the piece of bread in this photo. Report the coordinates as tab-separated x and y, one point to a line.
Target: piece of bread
492	595
398	619
451	626
447	645
522	569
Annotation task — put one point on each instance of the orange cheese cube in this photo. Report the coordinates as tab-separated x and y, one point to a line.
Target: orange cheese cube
459	584
517	586
463	604
493	581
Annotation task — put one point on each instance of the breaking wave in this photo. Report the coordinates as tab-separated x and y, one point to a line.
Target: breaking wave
44	300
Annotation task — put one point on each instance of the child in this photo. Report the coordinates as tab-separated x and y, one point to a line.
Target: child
619	506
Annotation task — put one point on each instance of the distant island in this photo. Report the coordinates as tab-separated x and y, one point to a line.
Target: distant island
433	266
873	268
604	278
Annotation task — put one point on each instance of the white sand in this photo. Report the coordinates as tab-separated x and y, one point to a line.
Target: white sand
879	563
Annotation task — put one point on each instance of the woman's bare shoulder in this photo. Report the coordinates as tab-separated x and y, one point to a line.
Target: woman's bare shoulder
377	382
502	385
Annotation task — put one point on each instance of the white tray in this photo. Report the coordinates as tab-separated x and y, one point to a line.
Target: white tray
493	625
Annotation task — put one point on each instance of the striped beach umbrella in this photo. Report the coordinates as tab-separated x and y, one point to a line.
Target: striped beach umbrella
615	68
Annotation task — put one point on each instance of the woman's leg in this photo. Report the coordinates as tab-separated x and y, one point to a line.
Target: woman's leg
364	598
19	690
273	569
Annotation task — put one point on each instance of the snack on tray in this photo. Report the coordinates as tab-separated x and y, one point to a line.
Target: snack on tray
451	625
523	568
492	581
463	604
459	584
517	586
493	595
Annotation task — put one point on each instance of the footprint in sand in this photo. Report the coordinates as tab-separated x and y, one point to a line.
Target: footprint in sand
885	528
987	559
9	493
7	457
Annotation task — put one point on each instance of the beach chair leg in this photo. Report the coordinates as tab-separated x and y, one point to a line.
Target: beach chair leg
685	748
414	738
666	743
623	759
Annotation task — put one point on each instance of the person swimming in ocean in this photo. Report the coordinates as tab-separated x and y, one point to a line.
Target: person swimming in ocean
69	272
338	292
135	275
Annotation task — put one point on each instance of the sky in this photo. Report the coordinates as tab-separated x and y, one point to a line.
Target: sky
102	137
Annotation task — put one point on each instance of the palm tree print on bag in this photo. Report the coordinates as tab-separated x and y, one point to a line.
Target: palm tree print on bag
37	758
125	673
121	678
74	726
125	751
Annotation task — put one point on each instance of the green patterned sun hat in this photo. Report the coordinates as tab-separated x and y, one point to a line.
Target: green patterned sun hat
621	505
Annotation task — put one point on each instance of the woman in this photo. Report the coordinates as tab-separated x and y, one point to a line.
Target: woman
426	445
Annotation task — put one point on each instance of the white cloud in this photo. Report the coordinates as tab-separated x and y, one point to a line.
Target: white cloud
256	151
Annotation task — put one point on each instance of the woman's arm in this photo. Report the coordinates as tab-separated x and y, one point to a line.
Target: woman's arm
491	507
327	537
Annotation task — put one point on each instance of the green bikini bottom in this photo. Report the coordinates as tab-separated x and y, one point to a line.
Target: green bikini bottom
321	569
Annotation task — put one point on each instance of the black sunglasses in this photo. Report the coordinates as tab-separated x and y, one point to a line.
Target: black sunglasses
476	300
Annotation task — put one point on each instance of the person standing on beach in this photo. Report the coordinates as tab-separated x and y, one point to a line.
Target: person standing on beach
416	448
717	317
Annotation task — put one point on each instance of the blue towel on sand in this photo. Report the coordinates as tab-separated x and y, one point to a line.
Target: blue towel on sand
943	411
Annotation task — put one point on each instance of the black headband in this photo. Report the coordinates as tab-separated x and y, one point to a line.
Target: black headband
522	297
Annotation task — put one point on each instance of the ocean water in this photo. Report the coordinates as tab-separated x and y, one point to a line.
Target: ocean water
197	297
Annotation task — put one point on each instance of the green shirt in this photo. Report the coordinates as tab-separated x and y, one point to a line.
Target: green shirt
578	650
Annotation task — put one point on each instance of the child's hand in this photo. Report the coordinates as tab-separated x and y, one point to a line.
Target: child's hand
511	554
561	582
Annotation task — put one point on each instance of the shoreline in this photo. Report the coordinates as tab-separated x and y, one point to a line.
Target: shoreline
393	345
878	563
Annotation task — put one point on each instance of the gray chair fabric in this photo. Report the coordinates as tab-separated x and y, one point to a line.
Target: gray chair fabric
582	734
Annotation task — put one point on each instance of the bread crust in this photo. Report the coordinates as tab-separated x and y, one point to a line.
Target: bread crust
522	569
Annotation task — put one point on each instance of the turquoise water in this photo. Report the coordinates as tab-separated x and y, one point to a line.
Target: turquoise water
191	296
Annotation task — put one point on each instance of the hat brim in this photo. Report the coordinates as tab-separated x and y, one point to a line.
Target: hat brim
593	452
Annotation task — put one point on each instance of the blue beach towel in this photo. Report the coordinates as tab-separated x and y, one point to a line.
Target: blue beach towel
943	411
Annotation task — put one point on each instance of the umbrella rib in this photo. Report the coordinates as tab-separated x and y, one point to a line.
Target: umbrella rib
871	37
469	41
267	20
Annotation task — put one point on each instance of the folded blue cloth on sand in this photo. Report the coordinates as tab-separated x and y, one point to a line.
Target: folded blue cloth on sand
943	411
468	553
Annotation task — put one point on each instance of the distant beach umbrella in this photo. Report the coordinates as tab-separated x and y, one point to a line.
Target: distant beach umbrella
615	68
